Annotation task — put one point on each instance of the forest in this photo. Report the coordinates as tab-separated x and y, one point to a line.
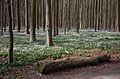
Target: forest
55	39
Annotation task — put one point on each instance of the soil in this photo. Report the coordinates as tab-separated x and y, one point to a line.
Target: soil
103	71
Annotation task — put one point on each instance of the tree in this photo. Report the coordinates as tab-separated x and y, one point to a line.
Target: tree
44	17
65	16
77	16
69	15
56	16
1	30
38	14
18	15
10	55
48	25
13	14
33	25
26	17
2	17
119	15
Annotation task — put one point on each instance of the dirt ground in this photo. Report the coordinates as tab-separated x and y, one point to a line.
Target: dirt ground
102	71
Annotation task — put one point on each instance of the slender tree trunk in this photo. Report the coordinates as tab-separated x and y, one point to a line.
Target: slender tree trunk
18	15
26	17
57	17
49	41
95	16
5	18
78	17
44	17
119	15
61	14
116	17
33	26
38	14
13	14
65	16
10	55
54	17
69	15
0	20
1	15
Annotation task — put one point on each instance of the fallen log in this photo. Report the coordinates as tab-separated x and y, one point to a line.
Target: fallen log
49	66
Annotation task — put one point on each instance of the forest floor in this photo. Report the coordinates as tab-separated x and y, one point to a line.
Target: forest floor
85	44
102	71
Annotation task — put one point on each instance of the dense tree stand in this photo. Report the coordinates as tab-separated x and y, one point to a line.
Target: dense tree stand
52	35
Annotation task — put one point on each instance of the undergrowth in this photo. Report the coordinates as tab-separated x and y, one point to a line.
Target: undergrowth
70	44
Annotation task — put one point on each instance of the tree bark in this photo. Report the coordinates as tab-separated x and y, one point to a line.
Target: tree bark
38	14
57	16
119	15
26	17
33	26
13	14
1	28
48	25
46	67
44	16
10	55
18	15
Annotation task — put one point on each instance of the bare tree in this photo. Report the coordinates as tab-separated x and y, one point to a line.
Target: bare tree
33	25
48	25
119	15
10	55
26	17
18	15
1	30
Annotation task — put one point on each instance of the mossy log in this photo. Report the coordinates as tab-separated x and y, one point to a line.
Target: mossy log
49	66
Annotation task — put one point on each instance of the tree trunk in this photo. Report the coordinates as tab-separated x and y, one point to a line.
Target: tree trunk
10	55
18	15
46	67
49	41
54	17
119	15
38	14
61	24
57	16
78	17
69	15
1	28
2	17
65	16
26	17
33	26
44	16
13	14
